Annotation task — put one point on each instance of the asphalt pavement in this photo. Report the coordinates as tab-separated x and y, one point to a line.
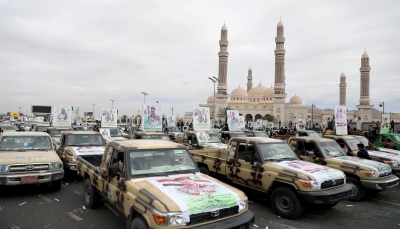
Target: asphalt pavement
36	207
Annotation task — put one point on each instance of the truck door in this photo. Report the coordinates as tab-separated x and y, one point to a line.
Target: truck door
113	191
304	150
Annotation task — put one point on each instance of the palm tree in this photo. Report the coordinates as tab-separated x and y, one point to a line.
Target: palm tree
222	113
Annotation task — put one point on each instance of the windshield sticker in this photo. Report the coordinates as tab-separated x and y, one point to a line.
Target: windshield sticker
196	194
88	150
321	173
381	167
20	158
178	151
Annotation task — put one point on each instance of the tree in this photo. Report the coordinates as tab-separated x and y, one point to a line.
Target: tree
222	113
269	118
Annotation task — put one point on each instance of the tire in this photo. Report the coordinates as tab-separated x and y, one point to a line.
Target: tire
357	190
91	197
139	223
204	170
55	186
285	203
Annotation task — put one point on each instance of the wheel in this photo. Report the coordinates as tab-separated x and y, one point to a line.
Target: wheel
56	185
284	202
92	197
139	223
357	190
204	170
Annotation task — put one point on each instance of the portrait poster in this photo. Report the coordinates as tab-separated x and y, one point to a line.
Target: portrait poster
202	137
105	132
62	116
385	123
242	122
258	124
171	120
270	125
201	118
340	120
195	194
109	117
233	120
187	118
152	117
301	124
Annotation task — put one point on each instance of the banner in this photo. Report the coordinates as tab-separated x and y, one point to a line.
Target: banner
301	124
105	132
108	117
258	124
270	125
171	120
201	118
340	120
233	120
152	117
187	118
62	116
385	123
13	114
242	122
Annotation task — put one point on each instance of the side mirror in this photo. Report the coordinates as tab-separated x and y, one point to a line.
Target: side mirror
57	147
247	158
112	171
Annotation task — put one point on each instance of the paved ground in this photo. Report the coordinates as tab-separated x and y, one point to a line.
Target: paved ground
35	207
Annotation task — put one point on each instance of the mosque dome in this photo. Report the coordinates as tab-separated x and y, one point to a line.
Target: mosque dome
210	99
257	92
296	100
239	92
268	92
365	55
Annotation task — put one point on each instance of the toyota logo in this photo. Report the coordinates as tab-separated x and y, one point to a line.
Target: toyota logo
215	213
30	167
333	182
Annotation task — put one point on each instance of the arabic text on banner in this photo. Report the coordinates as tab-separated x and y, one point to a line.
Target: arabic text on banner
340	120
201	118
187	118
152	117
62	116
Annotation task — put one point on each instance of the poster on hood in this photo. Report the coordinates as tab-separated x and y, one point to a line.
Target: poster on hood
201	118
340	120
380	167
196	194
108	117
152	117
62	116
385	123
233	120
301	124
171	120
187	118
242	122
88	150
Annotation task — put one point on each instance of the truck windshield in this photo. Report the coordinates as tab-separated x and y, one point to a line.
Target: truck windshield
57	133
156	136
362	139
7	128
352	143
41	128
115	133
23	143
214	138
238	134
331	149
84	140
261	134
160	162
276	152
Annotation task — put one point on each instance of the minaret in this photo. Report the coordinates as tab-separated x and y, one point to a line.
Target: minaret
250	79
222	96
279	95
364	108
342	90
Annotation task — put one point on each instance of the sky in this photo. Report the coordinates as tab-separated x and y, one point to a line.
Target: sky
82	52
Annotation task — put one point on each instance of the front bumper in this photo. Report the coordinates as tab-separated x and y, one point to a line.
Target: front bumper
70	166
15	179
326	197
382	184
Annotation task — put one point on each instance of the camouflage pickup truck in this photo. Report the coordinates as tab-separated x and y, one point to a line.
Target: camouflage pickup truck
156	184
393	160
28	158
74	144
271	167
361	174
200	140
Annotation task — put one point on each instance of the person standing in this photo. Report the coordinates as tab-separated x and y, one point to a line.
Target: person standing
371	146
362	153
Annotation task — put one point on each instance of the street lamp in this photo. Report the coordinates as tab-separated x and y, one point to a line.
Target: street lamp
172	109
144	95
312	115
93	110
382	104
20	110
112	103
214	80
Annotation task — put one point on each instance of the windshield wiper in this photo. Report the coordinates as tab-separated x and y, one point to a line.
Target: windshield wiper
270	159
287	159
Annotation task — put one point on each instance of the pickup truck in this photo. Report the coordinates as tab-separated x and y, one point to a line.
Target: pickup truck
364	141
388	140
28	158
55	133
393	160
74	144
200	140
156	184
361	174
271	167
111	133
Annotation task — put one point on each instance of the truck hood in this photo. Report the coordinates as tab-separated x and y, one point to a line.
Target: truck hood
31	156
318	172
388	156
85	150
188	193
363	164
392	151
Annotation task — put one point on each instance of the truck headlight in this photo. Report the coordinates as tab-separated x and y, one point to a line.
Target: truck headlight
56	165
71	158
392	163
3	168
310	184
169	219
370	173
243	203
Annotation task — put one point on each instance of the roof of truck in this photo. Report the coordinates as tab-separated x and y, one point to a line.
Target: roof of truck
23	133
338	136
146	144
80	132
258	139
317	139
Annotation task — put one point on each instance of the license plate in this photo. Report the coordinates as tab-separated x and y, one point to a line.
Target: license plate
29	179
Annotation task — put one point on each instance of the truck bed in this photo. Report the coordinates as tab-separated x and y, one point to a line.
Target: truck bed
215	159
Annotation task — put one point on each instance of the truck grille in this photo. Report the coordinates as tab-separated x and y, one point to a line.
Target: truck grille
29	167
385	174
332	183
207	216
